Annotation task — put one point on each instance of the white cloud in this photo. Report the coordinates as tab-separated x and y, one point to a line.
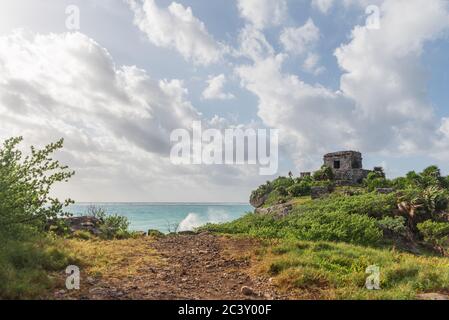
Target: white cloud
300	40
263	13
381	105
253	44
116	121
312	64
215	89
323	5
176	27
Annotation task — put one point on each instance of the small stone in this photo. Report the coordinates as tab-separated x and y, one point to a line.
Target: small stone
267	296
247	291
90	280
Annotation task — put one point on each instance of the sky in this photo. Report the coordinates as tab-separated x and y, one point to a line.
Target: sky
365	75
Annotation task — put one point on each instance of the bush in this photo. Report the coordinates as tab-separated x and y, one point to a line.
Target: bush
303	188
25	187
394	224
436	233
324	174
370	204
155	233
376	180
335	226
330	226
112	226
115	227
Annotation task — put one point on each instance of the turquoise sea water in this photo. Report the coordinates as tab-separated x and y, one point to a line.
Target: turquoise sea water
166	216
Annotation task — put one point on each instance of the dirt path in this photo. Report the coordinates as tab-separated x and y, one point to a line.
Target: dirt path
201	266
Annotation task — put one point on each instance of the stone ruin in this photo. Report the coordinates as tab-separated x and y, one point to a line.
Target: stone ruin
347	167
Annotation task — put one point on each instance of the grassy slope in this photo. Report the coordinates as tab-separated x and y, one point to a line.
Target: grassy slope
325	270
318	269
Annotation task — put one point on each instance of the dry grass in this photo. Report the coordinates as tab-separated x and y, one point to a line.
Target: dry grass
114	258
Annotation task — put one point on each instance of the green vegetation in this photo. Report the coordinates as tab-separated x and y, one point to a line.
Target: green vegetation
283	189
325	245
27	252
113	226
324	270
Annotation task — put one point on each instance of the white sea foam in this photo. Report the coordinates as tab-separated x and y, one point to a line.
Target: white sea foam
195	220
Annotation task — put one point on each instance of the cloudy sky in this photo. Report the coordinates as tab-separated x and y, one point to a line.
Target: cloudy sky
138	69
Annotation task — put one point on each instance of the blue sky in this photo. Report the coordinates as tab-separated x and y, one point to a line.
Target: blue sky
385	93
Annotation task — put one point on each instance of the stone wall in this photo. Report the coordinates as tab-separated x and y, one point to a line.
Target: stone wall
347	167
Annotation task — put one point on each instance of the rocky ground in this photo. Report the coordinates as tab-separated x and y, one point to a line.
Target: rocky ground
201	266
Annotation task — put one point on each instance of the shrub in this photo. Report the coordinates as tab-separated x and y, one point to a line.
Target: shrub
303	188
114	227
394	224
376	180
25	185
436	233
331	226
324	174
370	204
335	226
155	233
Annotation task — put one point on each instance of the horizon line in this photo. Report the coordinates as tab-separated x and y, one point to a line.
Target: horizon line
165	202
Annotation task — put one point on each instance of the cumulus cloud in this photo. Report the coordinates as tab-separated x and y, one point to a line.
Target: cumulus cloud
215	89
263	13
46	78
381	105
312	64
176	27
300	40
253	44
116	120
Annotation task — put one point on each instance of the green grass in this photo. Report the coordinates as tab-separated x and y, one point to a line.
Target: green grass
25	265
324	247
332	226
324	270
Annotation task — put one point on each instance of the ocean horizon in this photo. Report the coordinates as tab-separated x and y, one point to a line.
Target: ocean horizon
168	216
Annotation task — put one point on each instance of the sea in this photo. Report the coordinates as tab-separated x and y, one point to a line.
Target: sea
168	217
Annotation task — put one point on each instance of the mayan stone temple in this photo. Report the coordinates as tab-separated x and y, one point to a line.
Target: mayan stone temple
347	167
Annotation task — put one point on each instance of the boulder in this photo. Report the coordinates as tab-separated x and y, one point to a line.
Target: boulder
84	223
258	201
280	210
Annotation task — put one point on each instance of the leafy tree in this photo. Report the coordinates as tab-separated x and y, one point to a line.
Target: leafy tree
25	185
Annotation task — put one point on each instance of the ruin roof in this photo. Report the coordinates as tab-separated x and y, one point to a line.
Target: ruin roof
342	153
